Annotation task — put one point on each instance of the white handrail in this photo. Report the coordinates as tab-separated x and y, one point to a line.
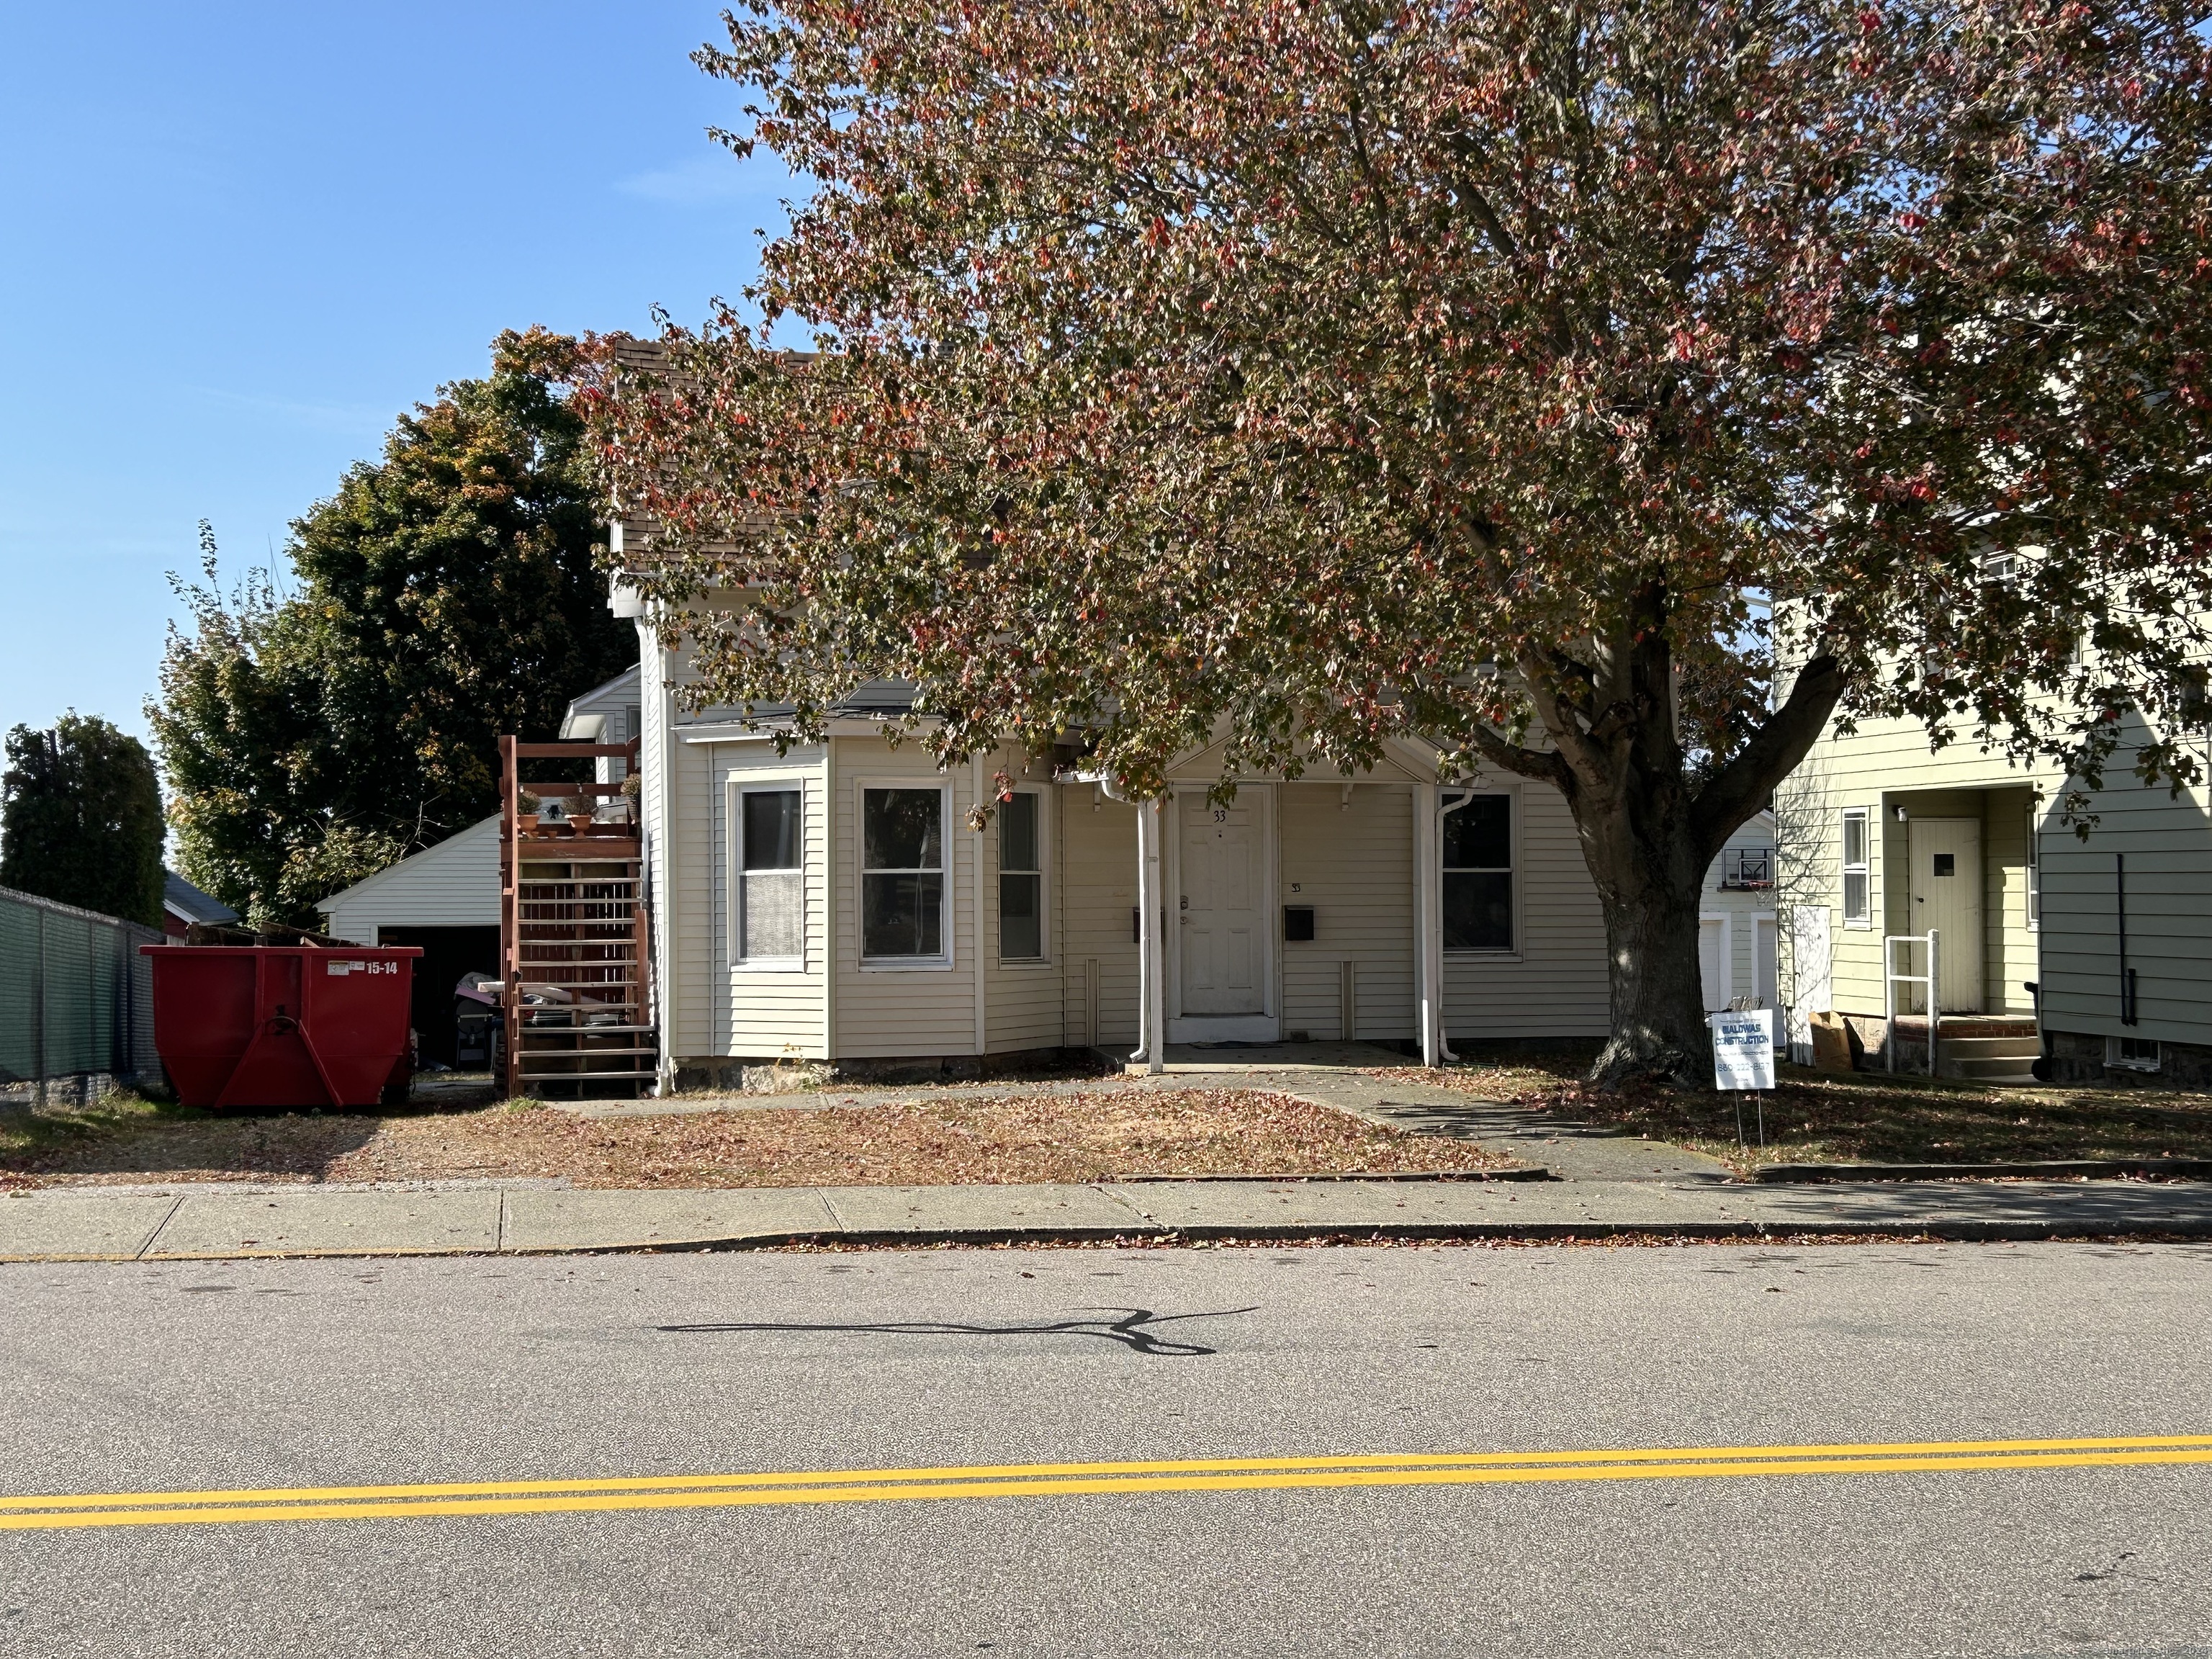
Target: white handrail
1891	979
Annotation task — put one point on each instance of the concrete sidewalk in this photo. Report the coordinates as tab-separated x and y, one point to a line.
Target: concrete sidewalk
213	1223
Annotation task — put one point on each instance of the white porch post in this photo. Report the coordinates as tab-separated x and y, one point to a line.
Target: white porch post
1428	923
1151	976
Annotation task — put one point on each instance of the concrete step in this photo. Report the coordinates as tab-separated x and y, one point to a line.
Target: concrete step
2007	1069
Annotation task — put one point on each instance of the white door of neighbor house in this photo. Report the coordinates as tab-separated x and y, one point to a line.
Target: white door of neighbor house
1713	963
1765	937
1222	913
1946	888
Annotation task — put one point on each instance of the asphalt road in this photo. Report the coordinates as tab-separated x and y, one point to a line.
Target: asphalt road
142	1378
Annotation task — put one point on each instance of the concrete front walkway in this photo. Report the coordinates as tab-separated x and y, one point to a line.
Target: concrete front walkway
215	1222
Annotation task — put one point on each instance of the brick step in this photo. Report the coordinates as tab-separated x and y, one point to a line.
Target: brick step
1989	1047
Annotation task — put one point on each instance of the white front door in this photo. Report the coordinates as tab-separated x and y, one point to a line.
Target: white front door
1946	886
1223	915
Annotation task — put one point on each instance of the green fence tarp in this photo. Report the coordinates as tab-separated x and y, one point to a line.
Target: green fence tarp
75	995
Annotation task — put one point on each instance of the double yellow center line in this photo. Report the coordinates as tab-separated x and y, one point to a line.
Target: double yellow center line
712	1492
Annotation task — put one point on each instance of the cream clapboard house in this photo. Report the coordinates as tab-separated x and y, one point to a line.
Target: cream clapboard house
831	903
2106	936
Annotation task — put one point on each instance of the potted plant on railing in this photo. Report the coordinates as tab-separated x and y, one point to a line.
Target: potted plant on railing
525	811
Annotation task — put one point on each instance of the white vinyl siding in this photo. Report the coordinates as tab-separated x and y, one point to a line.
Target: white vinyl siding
1554	984
1095	884
886	1010
766	1008
1353	864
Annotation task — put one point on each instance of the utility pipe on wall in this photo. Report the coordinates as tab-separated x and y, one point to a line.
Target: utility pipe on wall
1151	976
1429	934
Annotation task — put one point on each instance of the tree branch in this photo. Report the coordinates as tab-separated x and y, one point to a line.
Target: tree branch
1544	766
1742	787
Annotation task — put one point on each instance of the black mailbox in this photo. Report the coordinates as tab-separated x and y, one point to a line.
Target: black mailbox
1298	923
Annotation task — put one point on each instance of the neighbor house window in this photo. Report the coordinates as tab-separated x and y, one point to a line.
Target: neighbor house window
2034	872
771	879
1858	910
1021	879
1477	852
901	873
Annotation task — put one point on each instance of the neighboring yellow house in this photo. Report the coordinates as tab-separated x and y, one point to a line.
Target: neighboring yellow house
1883	839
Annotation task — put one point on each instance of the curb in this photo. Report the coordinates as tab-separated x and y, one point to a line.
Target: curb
2182	1168
1517	1172
1959	1231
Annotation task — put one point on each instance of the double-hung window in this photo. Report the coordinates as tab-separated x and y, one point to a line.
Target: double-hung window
1021	878
771	894
902	874
1478	852
1858	911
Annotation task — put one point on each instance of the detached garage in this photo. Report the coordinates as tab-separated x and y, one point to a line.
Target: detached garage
445	899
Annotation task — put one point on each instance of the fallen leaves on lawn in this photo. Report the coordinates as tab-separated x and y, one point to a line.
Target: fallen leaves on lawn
997	1140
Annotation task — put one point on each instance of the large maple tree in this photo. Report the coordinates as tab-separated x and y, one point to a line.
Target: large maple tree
1527	375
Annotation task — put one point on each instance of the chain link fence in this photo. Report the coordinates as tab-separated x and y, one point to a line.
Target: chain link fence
76	1002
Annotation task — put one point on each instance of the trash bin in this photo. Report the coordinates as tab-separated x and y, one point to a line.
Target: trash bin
282	1025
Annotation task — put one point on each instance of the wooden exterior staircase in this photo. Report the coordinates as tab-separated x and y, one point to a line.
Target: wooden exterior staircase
574	950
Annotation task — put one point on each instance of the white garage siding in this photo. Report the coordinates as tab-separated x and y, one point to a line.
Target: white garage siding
452	884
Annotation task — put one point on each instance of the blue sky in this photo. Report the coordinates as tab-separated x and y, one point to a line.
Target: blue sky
239	238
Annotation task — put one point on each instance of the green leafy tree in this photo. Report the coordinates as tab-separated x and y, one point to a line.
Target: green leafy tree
445	594
1294	372
81	818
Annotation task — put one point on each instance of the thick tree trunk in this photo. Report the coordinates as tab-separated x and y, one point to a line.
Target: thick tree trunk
1650	879
1650	824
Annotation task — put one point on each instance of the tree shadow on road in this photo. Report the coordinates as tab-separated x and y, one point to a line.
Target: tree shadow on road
1132	1331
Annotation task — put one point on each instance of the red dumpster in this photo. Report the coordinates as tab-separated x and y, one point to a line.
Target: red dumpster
282	1025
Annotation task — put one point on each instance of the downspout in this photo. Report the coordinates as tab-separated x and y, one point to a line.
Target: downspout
2128	1015
664	864
982	1024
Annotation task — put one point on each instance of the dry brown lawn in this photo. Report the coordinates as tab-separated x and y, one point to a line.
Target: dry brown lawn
1010	1138
1862	1117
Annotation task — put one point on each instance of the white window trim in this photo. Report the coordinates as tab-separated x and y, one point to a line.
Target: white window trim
948	933
1866	817
1489	952
735	790
2035	873
1043	959
2146	1067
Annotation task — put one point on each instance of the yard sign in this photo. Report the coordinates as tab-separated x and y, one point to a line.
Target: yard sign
1743	1048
